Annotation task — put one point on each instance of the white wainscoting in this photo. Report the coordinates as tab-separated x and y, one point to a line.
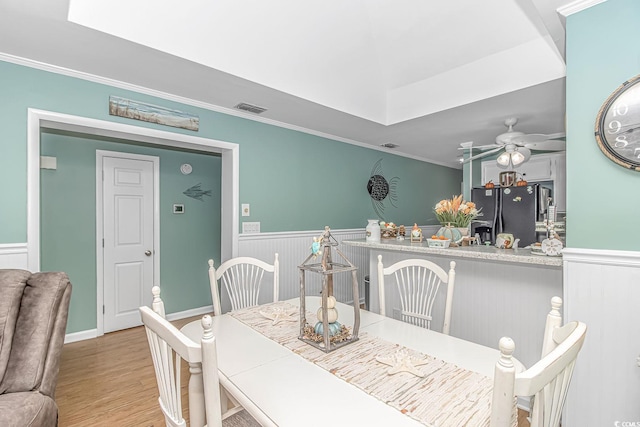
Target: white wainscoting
491	299
294	247
14	255
602	289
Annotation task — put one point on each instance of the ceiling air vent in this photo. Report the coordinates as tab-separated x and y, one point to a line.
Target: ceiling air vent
250	108
389	145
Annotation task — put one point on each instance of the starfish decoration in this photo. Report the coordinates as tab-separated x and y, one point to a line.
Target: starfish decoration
403	362
279	314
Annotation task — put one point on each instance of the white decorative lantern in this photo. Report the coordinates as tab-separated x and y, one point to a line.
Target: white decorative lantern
328	334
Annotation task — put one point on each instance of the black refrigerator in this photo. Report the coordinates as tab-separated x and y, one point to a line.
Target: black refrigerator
520	208
512	210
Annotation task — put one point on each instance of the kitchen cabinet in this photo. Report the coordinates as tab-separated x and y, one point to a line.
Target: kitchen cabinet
548	167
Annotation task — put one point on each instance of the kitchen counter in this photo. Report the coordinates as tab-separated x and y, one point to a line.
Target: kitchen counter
497	292
490	253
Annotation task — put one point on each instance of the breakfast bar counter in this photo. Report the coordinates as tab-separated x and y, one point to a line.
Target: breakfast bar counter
498	292
490	253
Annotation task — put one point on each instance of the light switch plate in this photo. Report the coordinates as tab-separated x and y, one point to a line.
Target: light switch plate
250	227
245	209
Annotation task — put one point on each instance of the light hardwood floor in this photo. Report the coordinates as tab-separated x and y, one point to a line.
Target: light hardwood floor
110	381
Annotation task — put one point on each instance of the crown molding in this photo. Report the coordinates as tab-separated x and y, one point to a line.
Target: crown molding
577	6
195	103
467	145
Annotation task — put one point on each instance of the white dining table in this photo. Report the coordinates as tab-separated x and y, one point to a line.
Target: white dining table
279	387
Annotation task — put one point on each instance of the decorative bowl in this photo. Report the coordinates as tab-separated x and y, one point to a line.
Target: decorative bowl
438	243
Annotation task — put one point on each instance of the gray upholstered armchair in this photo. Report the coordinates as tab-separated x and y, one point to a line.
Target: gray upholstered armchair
33	319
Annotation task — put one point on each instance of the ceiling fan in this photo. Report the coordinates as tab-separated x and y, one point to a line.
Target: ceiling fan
517	146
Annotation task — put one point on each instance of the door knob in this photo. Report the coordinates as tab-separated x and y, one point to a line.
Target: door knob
147	252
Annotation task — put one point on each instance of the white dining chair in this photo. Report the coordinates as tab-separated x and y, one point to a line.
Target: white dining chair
227	400
168	348
418	282
241	278
547	380
157	304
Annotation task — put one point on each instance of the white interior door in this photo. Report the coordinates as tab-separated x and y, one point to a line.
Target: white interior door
128	239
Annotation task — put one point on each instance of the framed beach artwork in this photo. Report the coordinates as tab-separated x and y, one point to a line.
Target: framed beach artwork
152	113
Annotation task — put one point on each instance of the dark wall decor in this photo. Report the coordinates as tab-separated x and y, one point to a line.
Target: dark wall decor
196	192
379	188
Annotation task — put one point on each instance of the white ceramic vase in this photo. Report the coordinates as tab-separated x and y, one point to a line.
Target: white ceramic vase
373	231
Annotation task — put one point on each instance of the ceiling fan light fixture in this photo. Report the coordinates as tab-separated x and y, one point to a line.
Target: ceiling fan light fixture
520	156
517	158
504	159
513	157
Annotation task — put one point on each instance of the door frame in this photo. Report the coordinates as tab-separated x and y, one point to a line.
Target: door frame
42	119
100	154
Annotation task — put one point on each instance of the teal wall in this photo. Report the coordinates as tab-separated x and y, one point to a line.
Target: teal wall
68	231
602	198
293	180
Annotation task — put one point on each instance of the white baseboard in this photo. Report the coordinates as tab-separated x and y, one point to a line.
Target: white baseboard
93	333
200	311
80	336
524	403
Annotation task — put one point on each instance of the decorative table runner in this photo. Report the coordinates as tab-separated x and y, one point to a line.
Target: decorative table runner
446	395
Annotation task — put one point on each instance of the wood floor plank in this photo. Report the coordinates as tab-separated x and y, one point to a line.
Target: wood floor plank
110	381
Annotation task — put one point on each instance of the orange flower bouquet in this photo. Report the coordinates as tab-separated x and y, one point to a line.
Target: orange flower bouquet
456	212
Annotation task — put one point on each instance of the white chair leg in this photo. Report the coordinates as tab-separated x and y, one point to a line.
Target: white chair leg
196	396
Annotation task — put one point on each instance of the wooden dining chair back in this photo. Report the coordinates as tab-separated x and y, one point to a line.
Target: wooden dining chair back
168	348
157	305
241	278
547	381
419	283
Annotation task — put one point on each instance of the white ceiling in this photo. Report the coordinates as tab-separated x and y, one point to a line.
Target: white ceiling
427	76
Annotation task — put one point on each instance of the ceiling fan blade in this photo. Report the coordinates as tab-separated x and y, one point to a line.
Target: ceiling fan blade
556	135
481	147
489	147
486	153
548	145
530	138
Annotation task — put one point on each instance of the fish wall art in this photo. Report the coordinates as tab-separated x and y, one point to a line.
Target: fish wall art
196	192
